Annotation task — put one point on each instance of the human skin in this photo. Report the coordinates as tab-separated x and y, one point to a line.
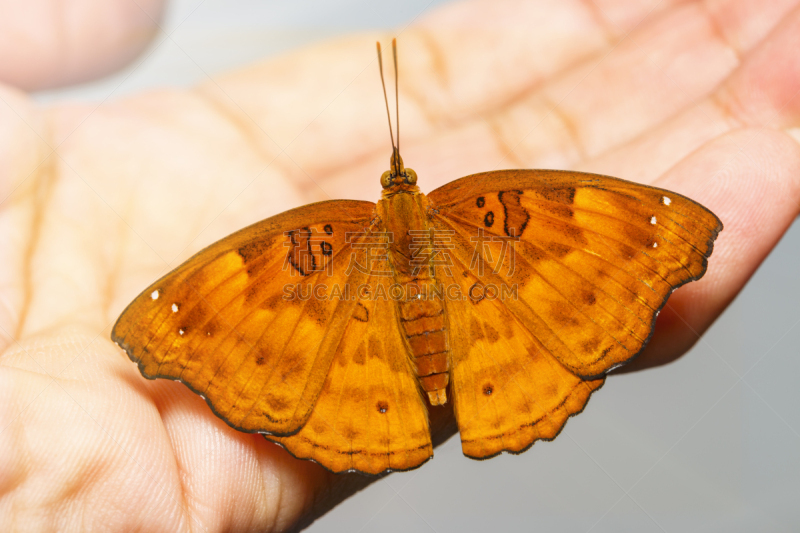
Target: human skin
96	202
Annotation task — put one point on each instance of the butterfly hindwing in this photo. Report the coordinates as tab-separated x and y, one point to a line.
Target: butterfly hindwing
508	390
231	325
370	416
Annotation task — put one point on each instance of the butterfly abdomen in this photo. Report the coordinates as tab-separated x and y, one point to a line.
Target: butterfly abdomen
424	326
413	258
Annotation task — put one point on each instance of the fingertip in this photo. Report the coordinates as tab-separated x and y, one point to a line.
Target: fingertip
750	179
45	44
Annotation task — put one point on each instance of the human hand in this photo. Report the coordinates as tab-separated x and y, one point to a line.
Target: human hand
700	102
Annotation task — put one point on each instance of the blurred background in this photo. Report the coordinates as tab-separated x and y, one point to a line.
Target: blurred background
708	443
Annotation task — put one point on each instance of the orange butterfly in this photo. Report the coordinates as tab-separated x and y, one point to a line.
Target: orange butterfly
510	293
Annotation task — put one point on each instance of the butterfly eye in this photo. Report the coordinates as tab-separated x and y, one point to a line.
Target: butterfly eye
386	179
411	177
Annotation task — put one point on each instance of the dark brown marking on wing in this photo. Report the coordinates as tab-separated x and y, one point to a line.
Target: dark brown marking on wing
253	250
253	294
491	334
558	210
211	327
564	195
475	292
532	252
300	255
197	315
592	345
361	313
588	298
475	330
374	346
317	309
275	301
350	433
254	256
557	249
488	220
564	314
516	217
276	403
604	354
360	355
481	201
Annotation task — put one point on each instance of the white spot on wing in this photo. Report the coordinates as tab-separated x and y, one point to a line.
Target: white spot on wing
154	295
655	245
666	200
174	308
180	331
653	221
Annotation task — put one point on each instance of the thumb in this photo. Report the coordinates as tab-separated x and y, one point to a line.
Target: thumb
46	44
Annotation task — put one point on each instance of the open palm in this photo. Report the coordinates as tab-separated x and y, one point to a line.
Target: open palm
98	201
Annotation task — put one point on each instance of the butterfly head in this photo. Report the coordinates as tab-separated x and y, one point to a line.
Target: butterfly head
398	175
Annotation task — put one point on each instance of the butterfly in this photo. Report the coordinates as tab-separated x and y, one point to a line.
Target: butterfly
330	327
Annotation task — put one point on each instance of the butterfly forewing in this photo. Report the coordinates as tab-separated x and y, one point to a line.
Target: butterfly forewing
226	322
595	257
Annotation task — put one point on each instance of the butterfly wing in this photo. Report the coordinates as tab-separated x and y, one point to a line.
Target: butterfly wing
586	263
370	416
507	389
238	322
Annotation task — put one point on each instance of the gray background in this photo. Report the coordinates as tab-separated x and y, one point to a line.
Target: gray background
709	443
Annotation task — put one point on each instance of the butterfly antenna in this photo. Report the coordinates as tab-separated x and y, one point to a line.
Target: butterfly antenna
396	95
385	98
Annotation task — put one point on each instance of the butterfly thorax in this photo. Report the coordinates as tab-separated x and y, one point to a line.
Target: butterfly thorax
403	212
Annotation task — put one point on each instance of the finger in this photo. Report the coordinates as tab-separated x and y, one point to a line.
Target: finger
606	101
738	153
233	481
117	212
80	444
445	74
762	93
664	65
150	450
47	44
25	160
751	179
471	58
